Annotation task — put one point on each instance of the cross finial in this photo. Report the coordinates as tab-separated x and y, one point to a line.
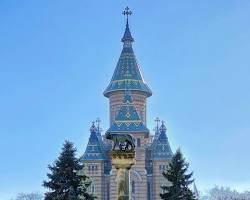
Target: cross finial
127	12
98	121
157	120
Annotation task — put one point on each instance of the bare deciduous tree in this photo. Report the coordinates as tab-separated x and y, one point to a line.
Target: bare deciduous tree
225	193
29	196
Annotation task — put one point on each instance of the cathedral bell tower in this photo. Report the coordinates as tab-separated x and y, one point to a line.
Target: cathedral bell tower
127	93
127	76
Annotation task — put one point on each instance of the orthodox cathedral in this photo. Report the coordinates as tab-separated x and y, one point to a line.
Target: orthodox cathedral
127	93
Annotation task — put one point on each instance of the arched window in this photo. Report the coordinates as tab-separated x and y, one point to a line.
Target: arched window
133	187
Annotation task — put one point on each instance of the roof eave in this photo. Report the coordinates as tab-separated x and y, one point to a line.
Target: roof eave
107	92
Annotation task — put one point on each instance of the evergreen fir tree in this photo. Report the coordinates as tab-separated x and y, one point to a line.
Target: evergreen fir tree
178	178
66	178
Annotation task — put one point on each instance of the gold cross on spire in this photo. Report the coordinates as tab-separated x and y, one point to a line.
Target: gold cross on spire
127	12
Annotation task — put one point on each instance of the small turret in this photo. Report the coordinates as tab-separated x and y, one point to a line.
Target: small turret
95	147
160	147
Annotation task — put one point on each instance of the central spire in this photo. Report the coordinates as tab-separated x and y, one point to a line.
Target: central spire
127	73
127	76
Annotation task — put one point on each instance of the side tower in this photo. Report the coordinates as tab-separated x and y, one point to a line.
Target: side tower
96	163
161	155
127	76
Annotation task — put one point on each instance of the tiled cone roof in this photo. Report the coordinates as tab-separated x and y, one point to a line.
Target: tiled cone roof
127	119
95	148
160	147
127	74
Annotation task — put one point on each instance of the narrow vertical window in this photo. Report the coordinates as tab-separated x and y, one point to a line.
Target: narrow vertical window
108	188
133	187
149	191
138	142
92	189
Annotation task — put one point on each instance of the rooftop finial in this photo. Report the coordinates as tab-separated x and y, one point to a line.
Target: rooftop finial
163	128
127	12
127	37
157	120
98	121
93	128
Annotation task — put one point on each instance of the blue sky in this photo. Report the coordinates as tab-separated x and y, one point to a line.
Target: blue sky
57	57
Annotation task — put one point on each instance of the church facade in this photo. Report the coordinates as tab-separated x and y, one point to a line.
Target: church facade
127	93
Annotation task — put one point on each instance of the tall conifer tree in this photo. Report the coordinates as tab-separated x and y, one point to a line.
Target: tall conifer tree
178	178
66	178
